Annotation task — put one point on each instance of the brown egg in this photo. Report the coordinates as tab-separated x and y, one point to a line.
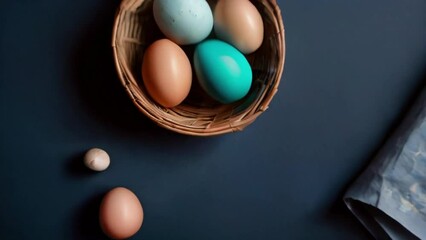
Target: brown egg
166	73
120	214
239	23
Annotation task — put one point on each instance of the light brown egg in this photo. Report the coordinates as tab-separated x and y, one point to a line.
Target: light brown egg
121	213
166	73
239	23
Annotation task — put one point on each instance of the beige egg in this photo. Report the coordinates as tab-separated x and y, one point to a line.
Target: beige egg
96	159
166	73
239	23
120	214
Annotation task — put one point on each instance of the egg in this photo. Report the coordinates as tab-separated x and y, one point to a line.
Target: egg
121	213
239	23
184	21
222	71
96	159
166	73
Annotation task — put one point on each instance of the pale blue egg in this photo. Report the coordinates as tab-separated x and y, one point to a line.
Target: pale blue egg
184	21
222	71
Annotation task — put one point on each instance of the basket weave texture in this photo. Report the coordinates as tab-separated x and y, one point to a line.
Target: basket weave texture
135	29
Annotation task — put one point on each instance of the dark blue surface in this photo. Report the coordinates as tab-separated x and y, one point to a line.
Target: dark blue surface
352	68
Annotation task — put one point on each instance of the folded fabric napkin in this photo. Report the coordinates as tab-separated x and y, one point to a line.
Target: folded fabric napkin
389	197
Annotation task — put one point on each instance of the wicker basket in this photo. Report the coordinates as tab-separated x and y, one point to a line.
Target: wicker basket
135	29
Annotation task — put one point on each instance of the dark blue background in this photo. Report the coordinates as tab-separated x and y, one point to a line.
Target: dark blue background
352	69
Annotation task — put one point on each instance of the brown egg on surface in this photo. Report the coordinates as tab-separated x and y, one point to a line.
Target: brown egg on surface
166	73
120	213
239	23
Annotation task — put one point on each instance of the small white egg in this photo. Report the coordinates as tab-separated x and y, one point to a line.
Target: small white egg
96	159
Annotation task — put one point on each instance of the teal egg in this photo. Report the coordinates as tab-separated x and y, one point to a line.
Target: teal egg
222	71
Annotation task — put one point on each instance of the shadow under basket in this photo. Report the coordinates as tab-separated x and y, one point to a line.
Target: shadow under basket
135	29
